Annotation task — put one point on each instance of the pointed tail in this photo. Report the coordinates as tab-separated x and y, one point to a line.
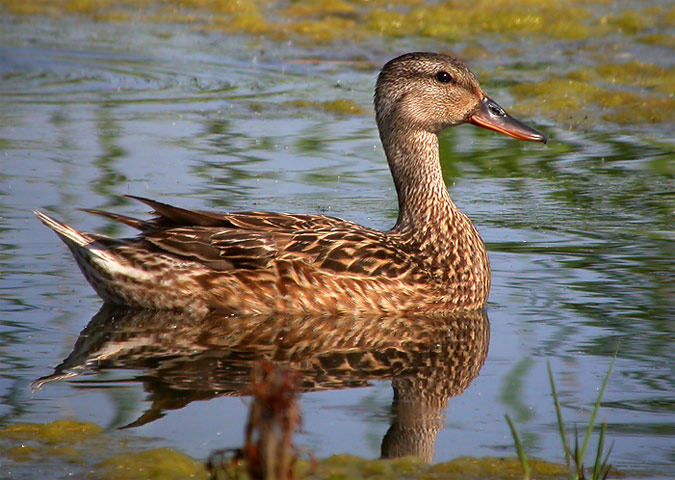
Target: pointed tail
67	233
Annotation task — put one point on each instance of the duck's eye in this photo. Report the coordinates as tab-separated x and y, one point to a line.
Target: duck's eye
444	77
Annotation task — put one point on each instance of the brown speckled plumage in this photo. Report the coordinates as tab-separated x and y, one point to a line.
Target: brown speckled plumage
259	262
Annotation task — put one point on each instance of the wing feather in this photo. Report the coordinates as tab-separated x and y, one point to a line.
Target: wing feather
255	240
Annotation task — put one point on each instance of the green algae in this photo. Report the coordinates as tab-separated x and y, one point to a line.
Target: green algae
659	39
389	23
496	467
631	74
159	463
632	22
630	109
636	73
338	106
592	104
58	432
325	30
452	20
71	444
319	8
353	20
351	467
456	21
32	443
620	93
21	453
626	93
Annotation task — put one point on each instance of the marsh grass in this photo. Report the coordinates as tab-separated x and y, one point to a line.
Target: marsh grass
574	458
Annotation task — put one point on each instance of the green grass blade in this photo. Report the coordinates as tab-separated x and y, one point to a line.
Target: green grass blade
606	467
597	467
519	448
591	422
561	425
577	459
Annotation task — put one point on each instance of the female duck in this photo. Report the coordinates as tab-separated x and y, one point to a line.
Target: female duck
259	262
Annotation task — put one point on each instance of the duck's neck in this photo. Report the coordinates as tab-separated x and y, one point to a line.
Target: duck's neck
446	241
424	205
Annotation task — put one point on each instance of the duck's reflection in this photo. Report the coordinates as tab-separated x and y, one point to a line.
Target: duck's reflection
428	359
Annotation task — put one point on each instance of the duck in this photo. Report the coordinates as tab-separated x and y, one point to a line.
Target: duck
433	259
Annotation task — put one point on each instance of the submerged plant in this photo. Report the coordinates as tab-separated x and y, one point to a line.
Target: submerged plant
600	468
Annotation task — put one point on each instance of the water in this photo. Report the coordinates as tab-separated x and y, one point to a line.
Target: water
579	231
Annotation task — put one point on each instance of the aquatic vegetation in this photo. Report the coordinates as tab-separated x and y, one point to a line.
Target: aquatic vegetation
319	8
636	73
113	456
85	445
351	20
339	106
660	39
348	466
600	468
632	22
158	463
631	92
55	433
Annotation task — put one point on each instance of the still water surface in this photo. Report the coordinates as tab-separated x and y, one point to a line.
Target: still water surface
579	232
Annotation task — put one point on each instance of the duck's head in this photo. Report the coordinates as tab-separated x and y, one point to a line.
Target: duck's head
430	92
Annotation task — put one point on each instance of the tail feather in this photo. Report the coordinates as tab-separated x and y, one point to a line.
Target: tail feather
182	216
141	225
100	260
67	233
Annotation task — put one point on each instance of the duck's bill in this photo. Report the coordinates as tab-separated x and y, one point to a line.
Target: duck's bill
493	117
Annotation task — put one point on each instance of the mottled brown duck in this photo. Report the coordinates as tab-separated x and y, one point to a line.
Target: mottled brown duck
261	262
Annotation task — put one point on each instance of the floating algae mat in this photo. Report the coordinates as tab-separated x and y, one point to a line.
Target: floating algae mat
628	93
84	450
74	449
625	92
356	20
